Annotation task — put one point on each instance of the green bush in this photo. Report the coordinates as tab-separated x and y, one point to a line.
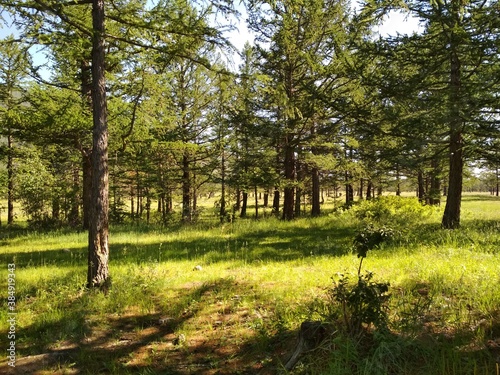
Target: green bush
393	210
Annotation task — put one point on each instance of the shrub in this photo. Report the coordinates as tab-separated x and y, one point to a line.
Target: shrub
392	210
362	304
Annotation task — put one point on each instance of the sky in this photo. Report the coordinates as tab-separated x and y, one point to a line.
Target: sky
394	23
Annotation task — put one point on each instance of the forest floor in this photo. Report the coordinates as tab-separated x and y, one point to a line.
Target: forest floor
240	313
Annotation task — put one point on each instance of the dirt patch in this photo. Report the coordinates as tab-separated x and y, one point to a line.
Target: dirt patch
214	332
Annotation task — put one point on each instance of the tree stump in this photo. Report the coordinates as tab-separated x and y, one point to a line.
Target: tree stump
310	336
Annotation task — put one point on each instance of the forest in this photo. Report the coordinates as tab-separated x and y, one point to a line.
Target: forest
142	117
318	102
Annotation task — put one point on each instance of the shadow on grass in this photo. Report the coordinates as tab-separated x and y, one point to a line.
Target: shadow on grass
483	197
260	245
150	343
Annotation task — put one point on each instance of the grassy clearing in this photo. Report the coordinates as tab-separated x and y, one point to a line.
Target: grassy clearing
259	281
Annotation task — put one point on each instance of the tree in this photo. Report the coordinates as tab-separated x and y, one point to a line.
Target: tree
14	62
302	45
451	68
98	270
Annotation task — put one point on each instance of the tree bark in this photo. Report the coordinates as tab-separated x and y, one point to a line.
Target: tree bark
289	190
186	189
244	202
349	191
256	203
316	202
222	211
369	190
98	254
10	180
421	187
451	216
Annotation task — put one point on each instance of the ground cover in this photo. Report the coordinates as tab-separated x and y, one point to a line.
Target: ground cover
258	281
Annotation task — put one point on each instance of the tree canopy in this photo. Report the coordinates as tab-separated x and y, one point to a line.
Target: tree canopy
319	101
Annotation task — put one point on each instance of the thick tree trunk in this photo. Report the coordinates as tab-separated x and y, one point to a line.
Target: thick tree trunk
98	254
451	216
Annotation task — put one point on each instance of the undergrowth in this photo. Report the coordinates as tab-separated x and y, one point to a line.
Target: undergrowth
259	280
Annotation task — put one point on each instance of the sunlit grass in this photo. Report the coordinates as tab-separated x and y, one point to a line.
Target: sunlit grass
259	279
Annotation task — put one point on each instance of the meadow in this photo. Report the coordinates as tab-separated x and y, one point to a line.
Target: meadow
257	281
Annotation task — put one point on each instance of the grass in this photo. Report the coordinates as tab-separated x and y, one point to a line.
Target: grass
259	281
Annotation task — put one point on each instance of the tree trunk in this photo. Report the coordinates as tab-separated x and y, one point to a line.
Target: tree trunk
289	190
369	189
222	212
276	201
237	204
398	181
194	196
98	255
298	199
10	180
451	216
132	200
244	202
56	208
421	187
256	203
349	191
316	203
497	176
186	189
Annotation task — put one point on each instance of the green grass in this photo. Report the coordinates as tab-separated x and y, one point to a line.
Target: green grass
260	280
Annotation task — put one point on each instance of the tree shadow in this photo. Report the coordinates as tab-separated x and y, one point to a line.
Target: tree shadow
264	245
147	343
476	198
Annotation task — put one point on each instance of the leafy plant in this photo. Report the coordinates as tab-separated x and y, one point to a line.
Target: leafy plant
365	302
362	304
392	209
